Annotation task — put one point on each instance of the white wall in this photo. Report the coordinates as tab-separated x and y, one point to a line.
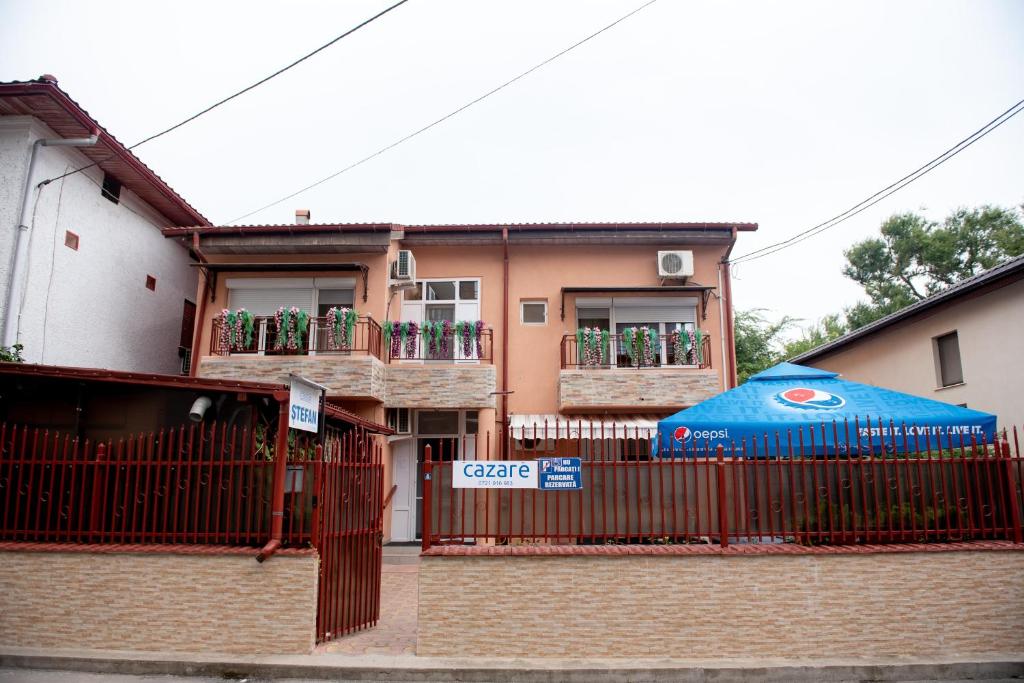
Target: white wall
90	307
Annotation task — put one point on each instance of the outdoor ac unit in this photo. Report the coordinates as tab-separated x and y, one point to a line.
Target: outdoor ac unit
675	264
404	268
398	419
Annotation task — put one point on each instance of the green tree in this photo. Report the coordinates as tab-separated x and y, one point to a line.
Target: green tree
758	341
825	330
915	258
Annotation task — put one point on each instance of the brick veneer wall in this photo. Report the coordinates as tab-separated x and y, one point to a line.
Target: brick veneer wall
440	386
655	387
158	602
710	606
356	376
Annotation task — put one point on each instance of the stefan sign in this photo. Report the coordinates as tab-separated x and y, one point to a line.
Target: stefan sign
494	474
304	405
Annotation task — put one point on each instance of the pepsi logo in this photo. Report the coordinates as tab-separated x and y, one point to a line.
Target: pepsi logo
815	399
682	434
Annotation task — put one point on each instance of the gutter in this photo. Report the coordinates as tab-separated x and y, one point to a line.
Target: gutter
19	264
197	334
725	310
280	472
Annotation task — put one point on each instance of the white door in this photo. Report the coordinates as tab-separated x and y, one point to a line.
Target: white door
403	510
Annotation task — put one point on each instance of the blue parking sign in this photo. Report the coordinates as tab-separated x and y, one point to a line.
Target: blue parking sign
559	474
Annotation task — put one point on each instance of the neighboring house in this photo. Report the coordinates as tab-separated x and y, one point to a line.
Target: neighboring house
86	278
532	286
962	346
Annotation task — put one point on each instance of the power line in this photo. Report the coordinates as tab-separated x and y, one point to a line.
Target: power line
240	92
447	116
886	191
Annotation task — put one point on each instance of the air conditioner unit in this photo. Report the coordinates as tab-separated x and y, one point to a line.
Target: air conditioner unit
675	264
399	420
404	268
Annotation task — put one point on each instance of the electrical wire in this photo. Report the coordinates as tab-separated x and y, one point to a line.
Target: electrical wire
240	92
447	116
886	191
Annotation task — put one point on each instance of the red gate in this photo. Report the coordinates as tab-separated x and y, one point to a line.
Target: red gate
347	533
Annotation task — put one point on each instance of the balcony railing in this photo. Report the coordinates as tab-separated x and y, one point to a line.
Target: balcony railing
319	339
616	353
447	348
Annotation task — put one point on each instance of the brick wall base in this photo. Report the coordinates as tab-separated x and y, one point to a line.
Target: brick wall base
705	606
158	602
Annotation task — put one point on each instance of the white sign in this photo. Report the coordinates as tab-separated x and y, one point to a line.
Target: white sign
304	405
494	474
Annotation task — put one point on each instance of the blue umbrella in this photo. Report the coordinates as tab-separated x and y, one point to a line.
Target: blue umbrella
832	415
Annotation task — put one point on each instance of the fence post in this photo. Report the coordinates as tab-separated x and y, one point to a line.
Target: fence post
99	492
428	485
314	521
723	503
1003	450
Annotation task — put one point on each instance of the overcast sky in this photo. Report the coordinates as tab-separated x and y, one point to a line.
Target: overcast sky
782	113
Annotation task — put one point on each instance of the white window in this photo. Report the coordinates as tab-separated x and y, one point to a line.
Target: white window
437	300
533	312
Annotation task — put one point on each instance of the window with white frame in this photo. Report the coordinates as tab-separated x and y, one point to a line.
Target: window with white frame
533	312
437	300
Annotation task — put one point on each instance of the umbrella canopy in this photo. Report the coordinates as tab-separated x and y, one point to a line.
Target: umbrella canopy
831	414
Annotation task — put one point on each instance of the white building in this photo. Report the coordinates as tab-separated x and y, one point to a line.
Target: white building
93	283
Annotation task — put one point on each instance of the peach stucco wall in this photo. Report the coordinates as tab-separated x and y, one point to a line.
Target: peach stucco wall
989	329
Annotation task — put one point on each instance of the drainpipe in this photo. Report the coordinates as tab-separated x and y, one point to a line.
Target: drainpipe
197	334
728	329
15	287
504	352
280	471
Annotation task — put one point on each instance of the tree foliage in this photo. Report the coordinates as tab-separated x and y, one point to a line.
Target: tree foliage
758	342
914	258
911	259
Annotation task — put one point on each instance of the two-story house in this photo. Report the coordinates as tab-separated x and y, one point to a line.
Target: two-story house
86	277
463	337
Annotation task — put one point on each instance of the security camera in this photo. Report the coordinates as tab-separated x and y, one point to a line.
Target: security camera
199	408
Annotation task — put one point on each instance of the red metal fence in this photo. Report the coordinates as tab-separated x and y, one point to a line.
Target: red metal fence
192	484
319	338
960	491
207	485
349	531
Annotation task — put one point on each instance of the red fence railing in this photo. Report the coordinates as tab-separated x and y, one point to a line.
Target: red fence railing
614	354
194	484
366	338
964	490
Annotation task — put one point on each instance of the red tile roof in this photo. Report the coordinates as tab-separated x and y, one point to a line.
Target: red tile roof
45	101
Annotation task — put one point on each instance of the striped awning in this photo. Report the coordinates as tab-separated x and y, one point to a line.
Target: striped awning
551	426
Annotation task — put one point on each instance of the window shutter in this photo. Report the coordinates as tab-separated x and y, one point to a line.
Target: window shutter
267	301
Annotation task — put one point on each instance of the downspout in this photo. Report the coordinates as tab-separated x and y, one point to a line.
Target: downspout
197	334
504	350
15	286
725	302
280	471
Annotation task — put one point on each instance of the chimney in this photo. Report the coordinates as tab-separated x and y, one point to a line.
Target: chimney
302	217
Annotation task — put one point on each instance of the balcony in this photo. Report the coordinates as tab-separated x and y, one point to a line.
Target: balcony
439	368
637	371
347	362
